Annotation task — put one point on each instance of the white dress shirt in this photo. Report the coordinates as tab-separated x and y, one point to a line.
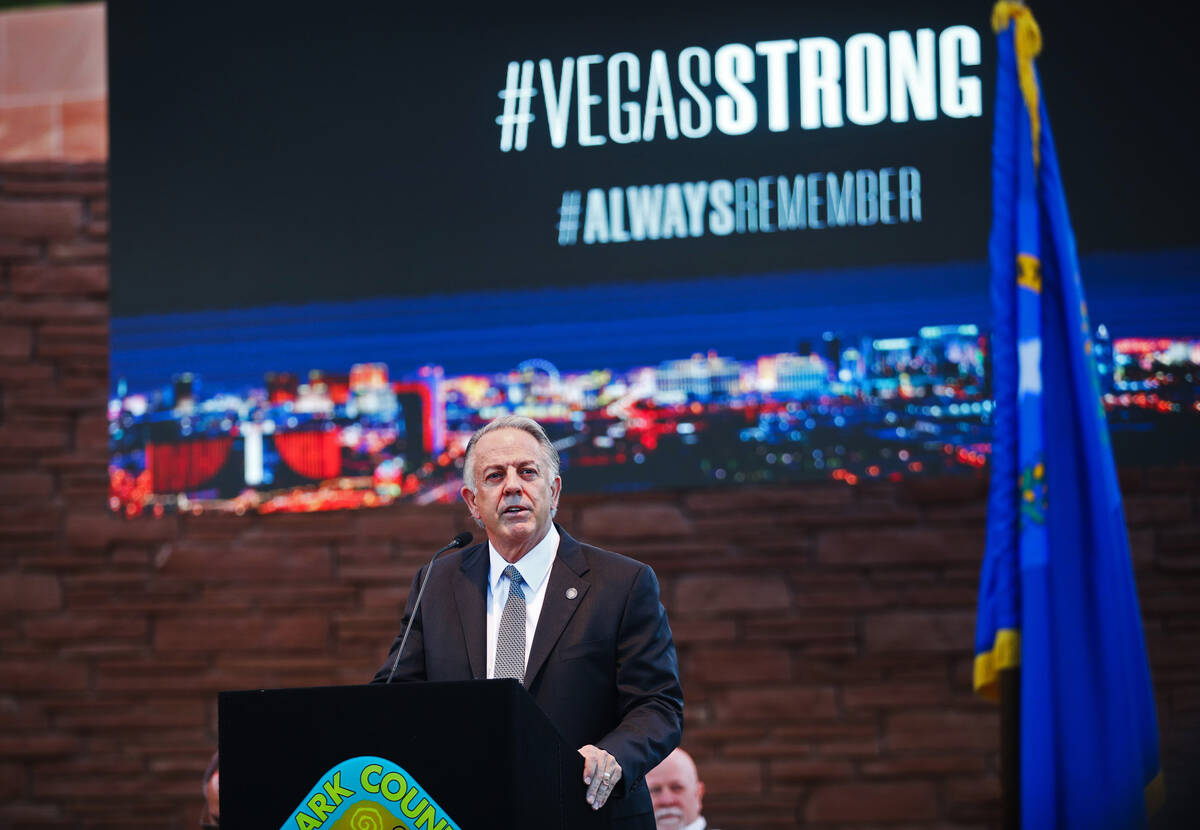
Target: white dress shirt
535	571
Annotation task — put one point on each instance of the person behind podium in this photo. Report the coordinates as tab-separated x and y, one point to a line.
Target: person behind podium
677	793
581	627
210	819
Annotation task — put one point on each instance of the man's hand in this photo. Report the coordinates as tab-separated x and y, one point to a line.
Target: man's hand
601	772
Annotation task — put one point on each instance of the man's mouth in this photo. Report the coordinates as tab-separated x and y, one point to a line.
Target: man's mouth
513	509
669	817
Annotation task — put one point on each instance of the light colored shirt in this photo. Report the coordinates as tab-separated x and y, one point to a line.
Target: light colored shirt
698	824
535	571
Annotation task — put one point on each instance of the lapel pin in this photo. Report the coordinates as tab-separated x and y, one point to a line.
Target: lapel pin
572	593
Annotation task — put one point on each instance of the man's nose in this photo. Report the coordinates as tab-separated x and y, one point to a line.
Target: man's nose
512	481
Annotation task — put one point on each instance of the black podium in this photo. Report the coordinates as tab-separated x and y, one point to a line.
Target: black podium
482	750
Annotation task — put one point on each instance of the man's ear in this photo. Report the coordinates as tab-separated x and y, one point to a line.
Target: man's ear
468	496
555	491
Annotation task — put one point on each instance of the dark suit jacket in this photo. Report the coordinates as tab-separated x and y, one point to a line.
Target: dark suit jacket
602	665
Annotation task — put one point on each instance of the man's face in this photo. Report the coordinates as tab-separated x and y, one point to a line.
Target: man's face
513	498
675	791
212	794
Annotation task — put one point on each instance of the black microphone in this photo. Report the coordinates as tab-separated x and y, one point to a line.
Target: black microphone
461	540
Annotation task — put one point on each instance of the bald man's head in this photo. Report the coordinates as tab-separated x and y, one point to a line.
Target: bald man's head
676	791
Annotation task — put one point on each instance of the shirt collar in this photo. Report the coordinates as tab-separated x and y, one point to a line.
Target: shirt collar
534	566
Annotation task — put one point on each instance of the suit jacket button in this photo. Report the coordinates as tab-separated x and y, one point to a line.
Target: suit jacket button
572	593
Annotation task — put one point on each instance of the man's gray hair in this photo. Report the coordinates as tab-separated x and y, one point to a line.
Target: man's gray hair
511	422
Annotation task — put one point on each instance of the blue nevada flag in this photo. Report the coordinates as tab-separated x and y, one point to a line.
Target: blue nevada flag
1057	595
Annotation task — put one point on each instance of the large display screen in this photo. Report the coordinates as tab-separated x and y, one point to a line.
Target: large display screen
703	245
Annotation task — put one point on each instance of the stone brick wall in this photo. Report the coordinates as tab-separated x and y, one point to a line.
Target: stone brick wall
53	82
824	630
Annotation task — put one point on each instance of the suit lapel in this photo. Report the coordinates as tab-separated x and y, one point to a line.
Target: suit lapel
557	609
470	595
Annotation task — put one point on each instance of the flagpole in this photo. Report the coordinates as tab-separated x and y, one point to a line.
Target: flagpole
1010	747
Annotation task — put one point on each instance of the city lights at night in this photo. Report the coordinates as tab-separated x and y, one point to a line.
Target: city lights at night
846	408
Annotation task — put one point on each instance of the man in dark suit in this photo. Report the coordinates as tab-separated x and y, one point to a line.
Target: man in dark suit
581	627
